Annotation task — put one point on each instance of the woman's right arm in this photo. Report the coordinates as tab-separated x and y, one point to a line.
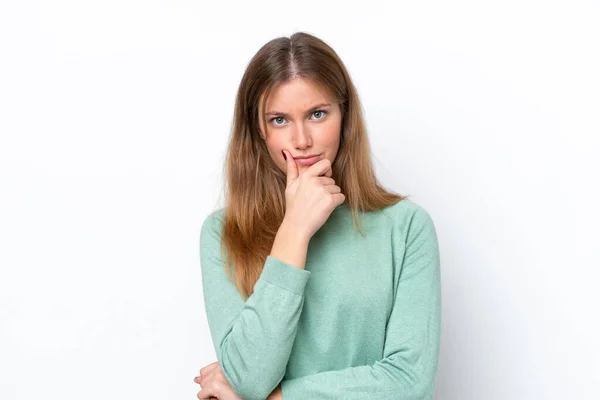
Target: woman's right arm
310	198
290	245
253	339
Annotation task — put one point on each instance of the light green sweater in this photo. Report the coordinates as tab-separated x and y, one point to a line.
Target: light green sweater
361	321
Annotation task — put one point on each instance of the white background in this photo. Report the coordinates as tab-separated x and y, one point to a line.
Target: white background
114	117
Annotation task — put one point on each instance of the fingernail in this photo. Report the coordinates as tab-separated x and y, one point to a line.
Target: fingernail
284	156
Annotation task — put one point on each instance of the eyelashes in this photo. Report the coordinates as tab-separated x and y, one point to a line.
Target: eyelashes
324	112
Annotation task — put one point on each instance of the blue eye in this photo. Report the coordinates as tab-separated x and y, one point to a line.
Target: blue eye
322	112
314	112
273	119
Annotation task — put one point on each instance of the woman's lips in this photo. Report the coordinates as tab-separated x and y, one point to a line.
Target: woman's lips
307	161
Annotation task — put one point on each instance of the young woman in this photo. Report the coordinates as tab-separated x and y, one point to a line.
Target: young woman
318	283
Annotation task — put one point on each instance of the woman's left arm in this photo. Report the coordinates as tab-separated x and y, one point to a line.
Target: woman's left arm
411	350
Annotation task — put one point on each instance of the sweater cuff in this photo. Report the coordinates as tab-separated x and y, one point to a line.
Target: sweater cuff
285	275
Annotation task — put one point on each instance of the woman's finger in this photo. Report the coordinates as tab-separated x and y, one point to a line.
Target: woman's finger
205	394
208	368
325	180
333	189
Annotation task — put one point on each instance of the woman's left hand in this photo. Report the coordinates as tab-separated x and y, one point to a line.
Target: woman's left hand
214	384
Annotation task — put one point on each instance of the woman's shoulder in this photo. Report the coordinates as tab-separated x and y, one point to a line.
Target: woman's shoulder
405	208
407	213
213	222
217	214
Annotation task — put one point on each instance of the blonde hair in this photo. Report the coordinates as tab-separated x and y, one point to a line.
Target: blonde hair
255	186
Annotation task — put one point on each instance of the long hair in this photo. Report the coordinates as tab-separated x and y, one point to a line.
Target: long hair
255	186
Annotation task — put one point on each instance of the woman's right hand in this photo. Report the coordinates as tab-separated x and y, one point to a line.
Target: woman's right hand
311	196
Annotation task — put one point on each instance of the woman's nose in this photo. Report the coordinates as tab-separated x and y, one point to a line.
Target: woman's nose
302	136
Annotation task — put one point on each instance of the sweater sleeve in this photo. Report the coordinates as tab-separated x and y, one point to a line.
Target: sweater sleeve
408	368
252	339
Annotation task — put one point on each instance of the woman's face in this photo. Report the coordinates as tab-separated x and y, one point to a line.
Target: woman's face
303	119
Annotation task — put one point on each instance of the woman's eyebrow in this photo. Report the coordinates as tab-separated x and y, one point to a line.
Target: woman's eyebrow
308	112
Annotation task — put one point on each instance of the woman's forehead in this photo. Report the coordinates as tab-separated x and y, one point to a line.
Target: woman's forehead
296	93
